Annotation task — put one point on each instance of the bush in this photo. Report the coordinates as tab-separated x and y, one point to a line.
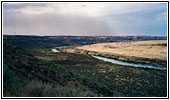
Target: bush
57	66
11	83
36	88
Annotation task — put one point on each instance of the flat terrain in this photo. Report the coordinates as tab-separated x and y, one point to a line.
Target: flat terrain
131	51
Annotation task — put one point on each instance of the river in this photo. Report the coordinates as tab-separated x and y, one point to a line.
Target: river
56	49
129	64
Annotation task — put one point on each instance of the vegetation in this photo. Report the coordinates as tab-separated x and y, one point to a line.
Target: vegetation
37	88
11	83
57	66
13	86
40	72
151	52
39	42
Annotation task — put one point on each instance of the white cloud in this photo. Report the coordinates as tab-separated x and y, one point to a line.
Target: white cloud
84	18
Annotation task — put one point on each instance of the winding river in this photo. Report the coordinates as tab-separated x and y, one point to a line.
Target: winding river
129	64
56	49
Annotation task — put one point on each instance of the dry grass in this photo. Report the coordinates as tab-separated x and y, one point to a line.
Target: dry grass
155	49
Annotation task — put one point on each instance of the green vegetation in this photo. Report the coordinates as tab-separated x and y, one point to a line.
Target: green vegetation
13	86
57	66
11	82
39	89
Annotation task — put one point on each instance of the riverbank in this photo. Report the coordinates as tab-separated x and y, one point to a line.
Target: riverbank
145	52
114	61
43	73
138	65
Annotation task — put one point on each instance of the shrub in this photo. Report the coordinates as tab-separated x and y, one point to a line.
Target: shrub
37	88
11	83
33	89
57	66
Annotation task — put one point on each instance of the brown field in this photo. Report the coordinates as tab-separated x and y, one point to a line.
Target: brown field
136	51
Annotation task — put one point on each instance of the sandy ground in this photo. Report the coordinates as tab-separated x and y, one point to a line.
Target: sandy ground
155	49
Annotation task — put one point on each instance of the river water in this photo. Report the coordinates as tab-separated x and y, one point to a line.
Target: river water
129	64
56	49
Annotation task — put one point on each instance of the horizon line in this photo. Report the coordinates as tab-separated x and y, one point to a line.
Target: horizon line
84	35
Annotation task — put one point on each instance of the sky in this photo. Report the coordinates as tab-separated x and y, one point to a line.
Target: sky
85	19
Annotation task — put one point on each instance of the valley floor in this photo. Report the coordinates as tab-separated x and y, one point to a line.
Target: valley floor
43	73
134	51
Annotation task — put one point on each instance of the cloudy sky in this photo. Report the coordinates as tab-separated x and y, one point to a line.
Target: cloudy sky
106	19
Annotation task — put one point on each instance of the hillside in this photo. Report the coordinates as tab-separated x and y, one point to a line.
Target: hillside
54	41
43	73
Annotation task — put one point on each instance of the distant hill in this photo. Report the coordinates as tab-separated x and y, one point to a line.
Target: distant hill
53	41
43	73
